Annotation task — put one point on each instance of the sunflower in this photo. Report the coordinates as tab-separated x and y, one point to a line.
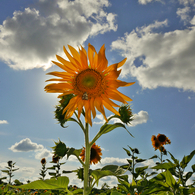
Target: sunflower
92	82
162	138
156	144
153	138
95	155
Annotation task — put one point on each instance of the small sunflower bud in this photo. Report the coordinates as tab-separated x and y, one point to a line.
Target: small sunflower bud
43	161
125	114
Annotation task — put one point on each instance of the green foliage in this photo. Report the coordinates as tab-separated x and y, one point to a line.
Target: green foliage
109	170
9	171
61	183
59	114
106	128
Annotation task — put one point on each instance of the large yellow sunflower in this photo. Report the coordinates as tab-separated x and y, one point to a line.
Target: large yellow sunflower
92	82
95	154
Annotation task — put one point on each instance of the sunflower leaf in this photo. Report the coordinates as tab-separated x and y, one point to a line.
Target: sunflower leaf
108	170
106	128
187	159
61	183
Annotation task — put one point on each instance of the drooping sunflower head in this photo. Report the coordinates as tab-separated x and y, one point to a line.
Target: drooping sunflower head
95	155
93	83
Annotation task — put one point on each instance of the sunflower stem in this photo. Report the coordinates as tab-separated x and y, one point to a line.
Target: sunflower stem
87	161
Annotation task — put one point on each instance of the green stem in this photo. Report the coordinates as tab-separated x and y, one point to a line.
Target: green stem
87	161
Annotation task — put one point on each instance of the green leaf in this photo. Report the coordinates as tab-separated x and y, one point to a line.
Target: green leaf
109	170
61	183
140	160
15	169
5	171
188	175
115	193
187	159
169	179
140	170
73	151
78	191
191	190
193	168
127	151
155	156
174	159
164	166
106	128
52	168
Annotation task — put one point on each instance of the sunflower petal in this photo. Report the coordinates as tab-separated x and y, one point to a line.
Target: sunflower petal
80	106
74	53
57	87
87	113
92	107
74	62
98	104
121	63
91	51
83	59
115	96
68	65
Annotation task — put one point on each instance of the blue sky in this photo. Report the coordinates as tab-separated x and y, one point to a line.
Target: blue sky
156	36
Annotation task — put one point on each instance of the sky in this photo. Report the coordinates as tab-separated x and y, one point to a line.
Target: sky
156	36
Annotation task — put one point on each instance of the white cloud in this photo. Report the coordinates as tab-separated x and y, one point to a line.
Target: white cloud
193	21
3	122
144	2
139	118
187	2
31	38
26	145
184	14
101	118
166	59
44	153
114	161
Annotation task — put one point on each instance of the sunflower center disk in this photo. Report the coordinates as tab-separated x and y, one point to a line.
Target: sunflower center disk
89	81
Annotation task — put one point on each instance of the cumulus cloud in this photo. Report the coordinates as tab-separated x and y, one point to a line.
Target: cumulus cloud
3	122
44	153
144	2
101	120
159	59
31	38
26	145
139	118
